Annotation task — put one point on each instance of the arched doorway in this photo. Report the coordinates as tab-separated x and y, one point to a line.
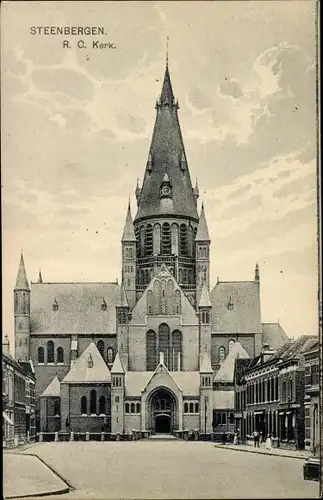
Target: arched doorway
162	411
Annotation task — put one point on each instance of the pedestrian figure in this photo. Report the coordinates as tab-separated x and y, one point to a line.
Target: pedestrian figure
261	437
235	439
268	443
256	439
224	437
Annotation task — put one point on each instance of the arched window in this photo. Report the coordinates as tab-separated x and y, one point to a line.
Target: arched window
151	352
185	276
137	407
150	299
170	297
174	231
41	355
149	240
196	407
231	344
190	276
190	241
185	407
93	402
146	276
132	407
142	241
156	242
183	244
110	355
177	302
102	405
127	408
60	355
177	350
157	291
100	346
165	239
142	277
56	407
191	407
163	298
194	237
83	405
137	234
50	352
221	353
180	275
164	342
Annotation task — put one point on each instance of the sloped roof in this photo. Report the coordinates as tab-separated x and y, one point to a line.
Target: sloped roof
274	335
226	370
241	365
236	307
79	307
128	230
81	372
166	152
21	281
28	367
223	400
188	382
292	350
206	364
53	389
122	298
202	230
117	365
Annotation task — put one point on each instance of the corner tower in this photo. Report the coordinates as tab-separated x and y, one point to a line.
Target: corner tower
167	220
22	313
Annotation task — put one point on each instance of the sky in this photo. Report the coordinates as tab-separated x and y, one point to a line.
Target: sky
77	124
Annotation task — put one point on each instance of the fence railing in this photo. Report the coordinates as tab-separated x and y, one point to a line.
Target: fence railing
43	437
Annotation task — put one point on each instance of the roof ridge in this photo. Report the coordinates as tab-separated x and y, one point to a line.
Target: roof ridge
75	283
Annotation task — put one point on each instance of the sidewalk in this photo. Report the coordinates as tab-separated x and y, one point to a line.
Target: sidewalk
27	476
277	452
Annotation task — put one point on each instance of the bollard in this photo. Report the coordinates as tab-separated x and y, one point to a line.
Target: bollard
87	436
56	437
102	436
118	437
40	437
72	436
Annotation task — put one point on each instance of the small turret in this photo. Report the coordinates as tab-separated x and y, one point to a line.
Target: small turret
202	231
22	313
117	399
202	245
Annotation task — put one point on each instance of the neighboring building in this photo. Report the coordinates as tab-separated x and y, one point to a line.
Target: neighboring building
142	355
312	396
18	397
270	394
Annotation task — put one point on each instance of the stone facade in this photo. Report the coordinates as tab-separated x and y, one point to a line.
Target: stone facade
145	351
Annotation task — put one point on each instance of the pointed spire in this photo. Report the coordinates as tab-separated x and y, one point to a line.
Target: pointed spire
205	297
206	364
40	278
122	302
202	232
167	40
21	281
117	365
257	276
128	231
167	95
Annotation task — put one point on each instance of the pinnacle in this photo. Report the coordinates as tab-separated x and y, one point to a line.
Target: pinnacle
202	232
128	231
22	281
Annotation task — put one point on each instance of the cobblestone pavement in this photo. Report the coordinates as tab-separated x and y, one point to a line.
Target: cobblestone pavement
26	475
261	450
172	469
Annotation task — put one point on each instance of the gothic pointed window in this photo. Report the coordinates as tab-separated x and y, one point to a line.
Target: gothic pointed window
50	352
149	240
174	236
183	239
132	407
137	407
190	241
83	405
142	241
110	355
93	402
177	350
127	408
164	342
41	355
60	355
137	234
221	353
157	294
185	407
166	239
102	405
177	302
100	346
151	351
170	297
163	301
146	276
150	299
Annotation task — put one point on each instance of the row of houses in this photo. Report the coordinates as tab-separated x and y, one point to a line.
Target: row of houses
277	394
18	399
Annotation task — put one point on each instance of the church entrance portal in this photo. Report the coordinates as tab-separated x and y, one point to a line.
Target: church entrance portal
162	410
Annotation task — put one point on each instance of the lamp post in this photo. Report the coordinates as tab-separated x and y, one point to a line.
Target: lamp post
205	417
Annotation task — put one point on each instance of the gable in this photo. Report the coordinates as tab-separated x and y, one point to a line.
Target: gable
236	307
162	378
153	302
81	372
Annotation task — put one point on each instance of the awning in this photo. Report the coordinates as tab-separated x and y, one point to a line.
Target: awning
281	413
288	412
259	412
7	419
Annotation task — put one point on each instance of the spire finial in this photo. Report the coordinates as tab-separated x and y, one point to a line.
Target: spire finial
40	278
129	201
257	276
167	40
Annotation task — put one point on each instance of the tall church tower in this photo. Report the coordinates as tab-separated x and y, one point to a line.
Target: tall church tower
22	313
202	242
166	222
128	242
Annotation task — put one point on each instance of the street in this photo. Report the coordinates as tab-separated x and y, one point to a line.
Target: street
172	469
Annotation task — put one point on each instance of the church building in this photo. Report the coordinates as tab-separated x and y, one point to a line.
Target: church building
143	354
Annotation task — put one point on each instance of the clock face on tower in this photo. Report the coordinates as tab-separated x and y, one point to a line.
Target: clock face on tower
165	190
